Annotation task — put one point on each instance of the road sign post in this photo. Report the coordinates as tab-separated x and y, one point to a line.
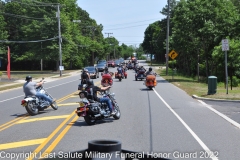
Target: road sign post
225	47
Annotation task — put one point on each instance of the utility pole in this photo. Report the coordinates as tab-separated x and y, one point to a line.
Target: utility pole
114	46
60	40
108	34
167	43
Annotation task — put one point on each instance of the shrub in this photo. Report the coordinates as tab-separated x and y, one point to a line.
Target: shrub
235	81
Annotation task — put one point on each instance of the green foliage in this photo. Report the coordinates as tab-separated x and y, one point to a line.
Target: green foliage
0	73
37	22
235	81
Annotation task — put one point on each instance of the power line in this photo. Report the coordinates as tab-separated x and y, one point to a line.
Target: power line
6	41
25	17
132	22
41	4
127	27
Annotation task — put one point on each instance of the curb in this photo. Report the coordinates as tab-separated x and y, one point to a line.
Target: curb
219	100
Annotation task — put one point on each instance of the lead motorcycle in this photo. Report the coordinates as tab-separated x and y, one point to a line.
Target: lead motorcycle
35	104
92	111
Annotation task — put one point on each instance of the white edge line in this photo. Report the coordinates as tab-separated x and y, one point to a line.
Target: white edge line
188	128
46	88
221	115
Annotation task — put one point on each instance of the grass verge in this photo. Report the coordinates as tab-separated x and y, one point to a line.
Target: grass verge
192	87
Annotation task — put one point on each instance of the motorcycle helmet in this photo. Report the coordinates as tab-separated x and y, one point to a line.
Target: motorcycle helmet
150	69
90	82
28	78
106	69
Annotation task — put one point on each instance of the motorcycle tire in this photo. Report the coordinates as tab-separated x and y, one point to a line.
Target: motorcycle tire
89	121
120	79
54	106
31	109
118	113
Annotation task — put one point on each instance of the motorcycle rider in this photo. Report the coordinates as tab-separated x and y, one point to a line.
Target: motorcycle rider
84	76
29	88
150	72
120	70
93	91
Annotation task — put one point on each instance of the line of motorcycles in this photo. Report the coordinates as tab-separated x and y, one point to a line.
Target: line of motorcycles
150	80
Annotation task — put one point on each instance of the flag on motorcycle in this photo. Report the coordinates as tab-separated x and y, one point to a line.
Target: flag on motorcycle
8	66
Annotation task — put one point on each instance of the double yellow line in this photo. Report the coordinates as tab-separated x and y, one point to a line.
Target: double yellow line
22	117
12	122
58	138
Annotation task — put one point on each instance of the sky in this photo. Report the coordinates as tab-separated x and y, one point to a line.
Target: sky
126	20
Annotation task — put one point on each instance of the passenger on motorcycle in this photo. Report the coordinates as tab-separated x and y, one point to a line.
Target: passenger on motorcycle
29	88
84	76
94	90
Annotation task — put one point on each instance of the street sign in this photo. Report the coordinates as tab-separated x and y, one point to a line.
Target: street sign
173	54
61	68
225	45
78	21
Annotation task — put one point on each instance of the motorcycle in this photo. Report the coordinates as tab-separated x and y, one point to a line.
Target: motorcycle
140	75
92	111
150	81
35	104
119	76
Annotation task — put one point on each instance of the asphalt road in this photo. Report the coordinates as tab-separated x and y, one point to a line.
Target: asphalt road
164	121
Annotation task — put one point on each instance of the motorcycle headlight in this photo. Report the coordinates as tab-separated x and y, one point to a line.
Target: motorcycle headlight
112	94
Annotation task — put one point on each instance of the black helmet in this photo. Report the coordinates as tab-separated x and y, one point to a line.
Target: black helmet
28	78
106	69
150	69
90	82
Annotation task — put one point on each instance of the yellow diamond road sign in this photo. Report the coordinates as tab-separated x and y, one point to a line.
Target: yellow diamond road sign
173	54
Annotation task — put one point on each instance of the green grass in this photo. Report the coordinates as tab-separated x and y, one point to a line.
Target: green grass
192	87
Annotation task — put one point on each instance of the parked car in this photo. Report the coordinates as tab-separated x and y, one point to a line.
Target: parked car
93	71
117	62
100	67
102	61
111	63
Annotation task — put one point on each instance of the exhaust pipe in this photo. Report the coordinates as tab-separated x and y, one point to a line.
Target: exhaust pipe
97	115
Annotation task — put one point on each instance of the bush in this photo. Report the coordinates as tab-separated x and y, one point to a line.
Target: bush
235	81
0	73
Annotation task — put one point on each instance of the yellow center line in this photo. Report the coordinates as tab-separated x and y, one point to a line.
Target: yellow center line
58	139
10	122
21	143
68	104
42	119
51	136
14	121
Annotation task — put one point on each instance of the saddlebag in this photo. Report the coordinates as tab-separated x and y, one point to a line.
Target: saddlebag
94	108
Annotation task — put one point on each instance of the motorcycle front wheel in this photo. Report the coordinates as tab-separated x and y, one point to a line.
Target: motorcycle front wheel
54	106
118	113
31	109
88	119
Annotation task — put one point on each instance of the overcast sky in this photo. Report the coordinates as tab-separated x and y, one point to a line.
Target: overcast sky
127	20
